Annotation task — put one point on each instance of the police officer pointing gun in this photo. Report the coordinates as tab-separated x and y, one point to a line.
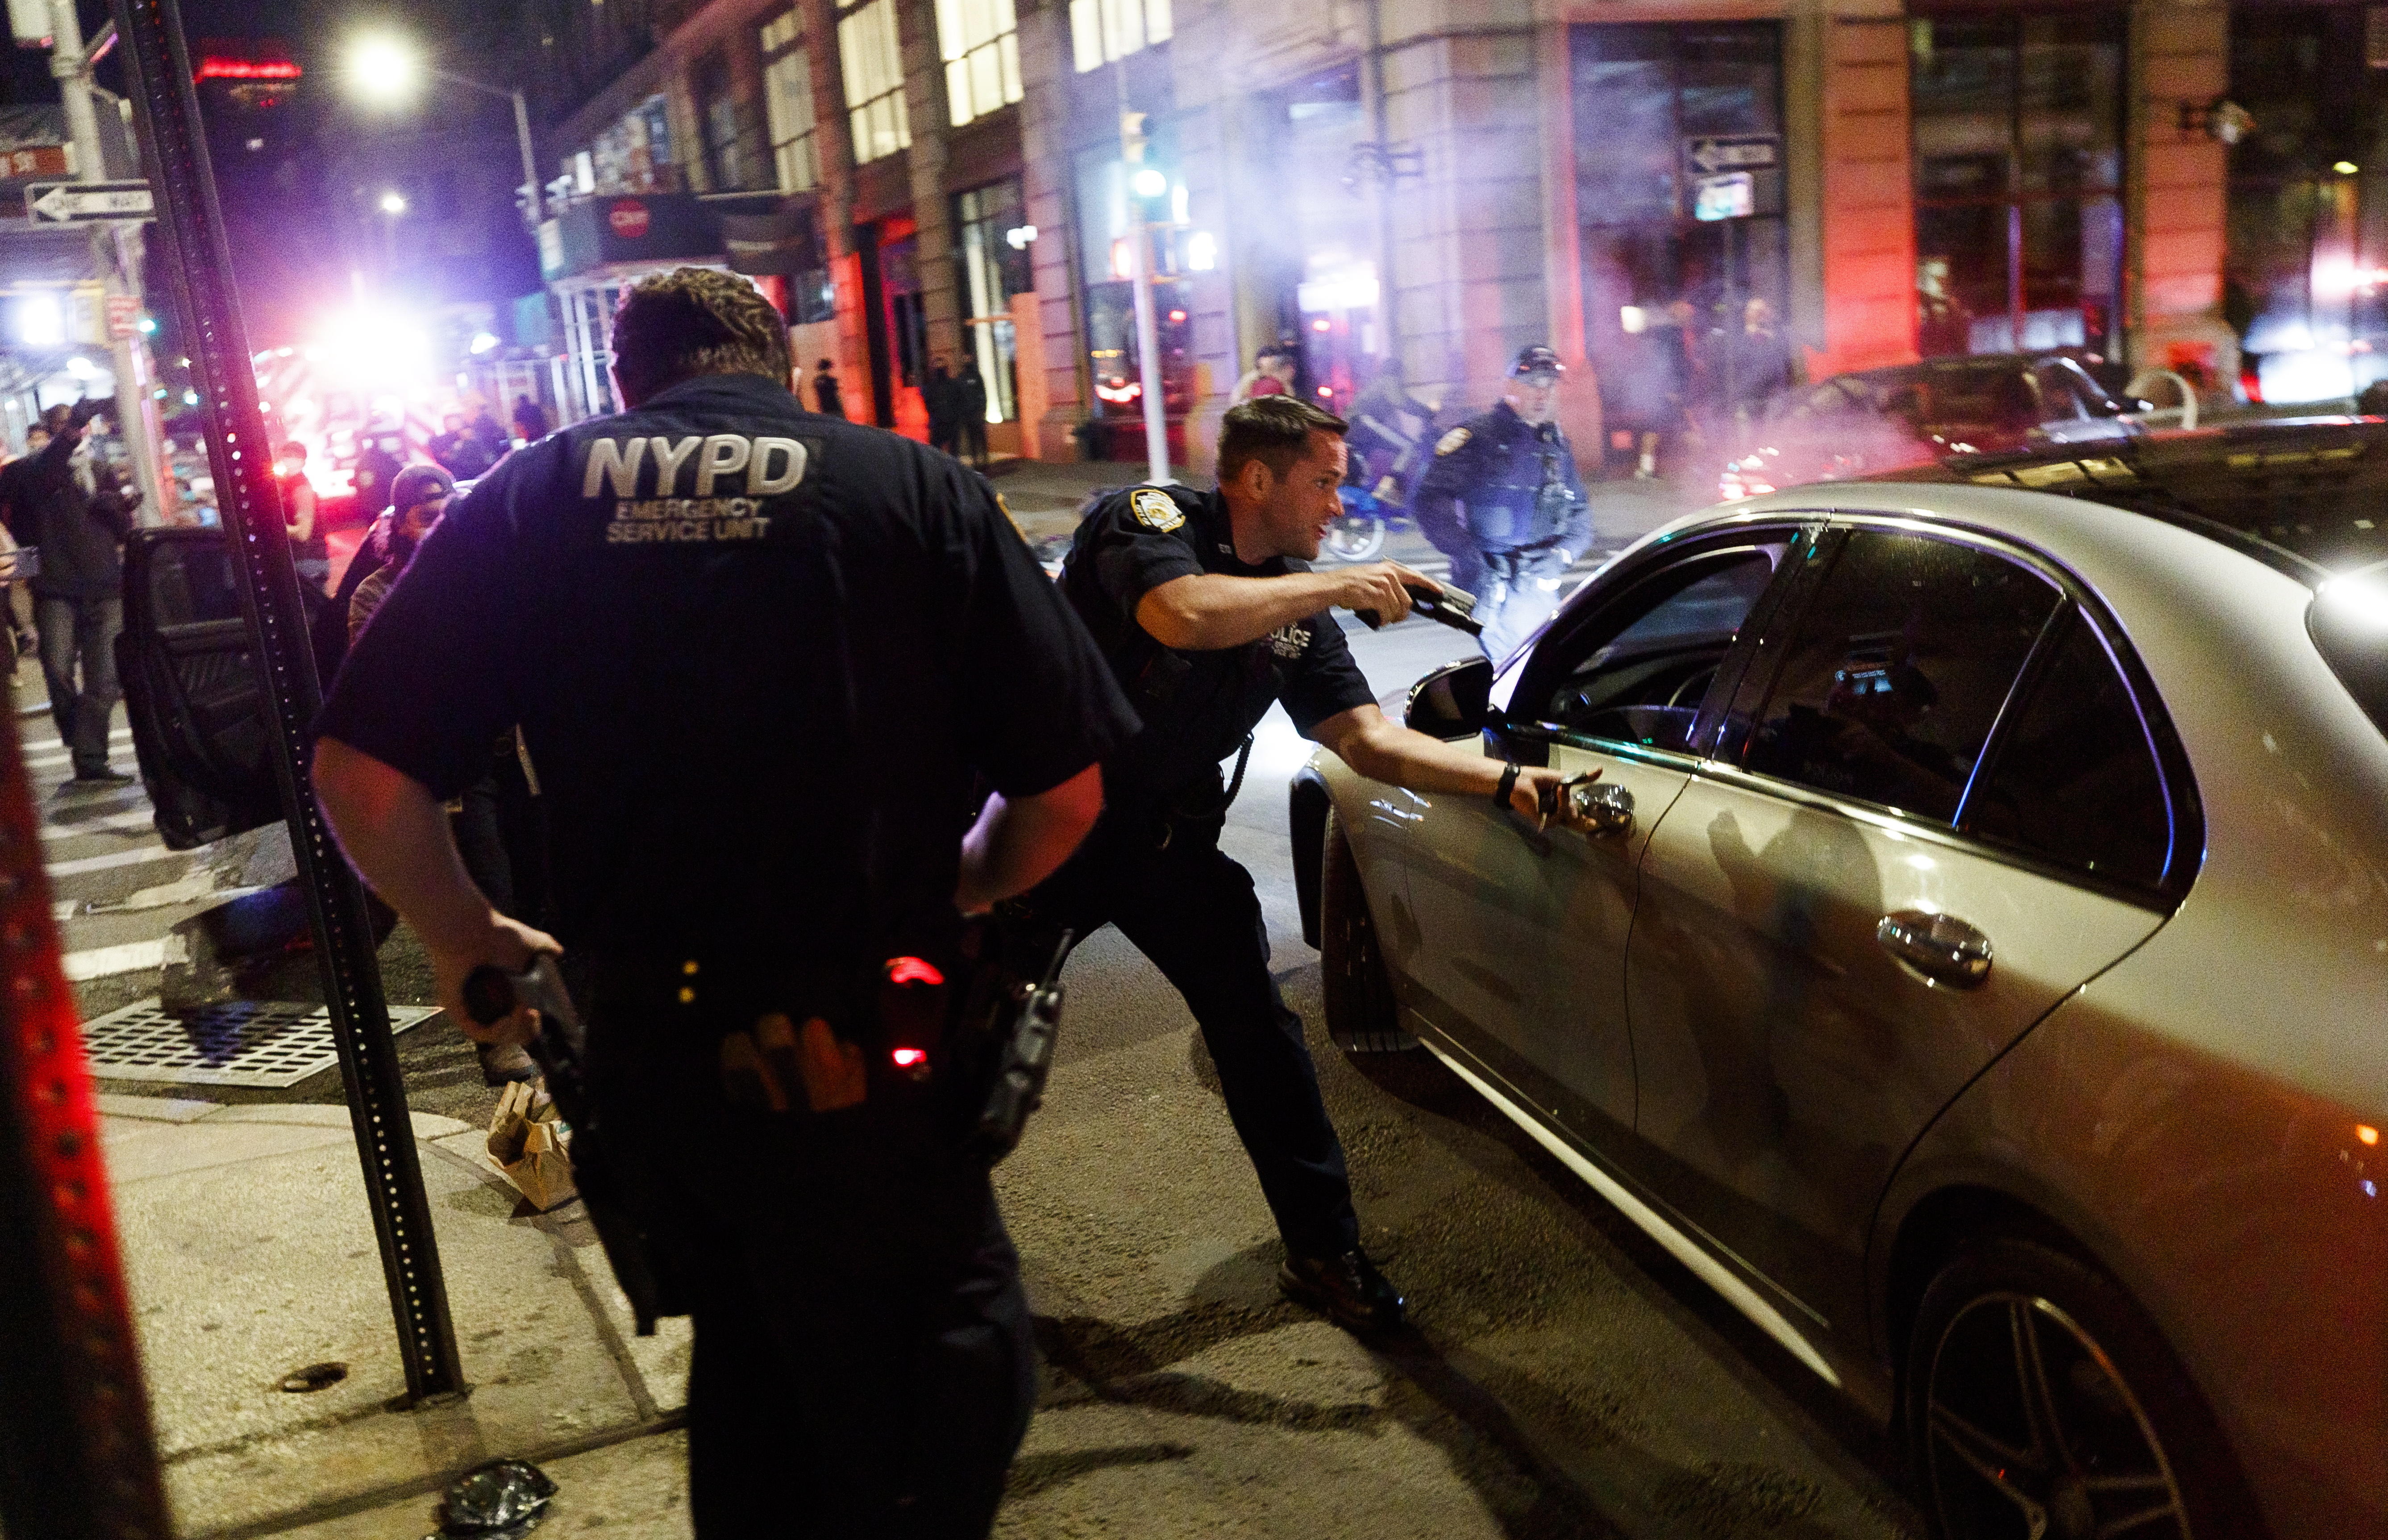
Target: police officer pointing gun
1501	499
1205	607
760	657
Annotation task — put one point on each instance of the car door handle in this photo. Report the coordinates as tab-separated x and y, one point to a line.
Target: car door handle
1942	947
1597	807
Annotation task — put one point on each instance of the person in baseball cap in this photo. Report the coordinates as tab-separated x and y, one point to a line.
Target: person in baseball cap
1540	362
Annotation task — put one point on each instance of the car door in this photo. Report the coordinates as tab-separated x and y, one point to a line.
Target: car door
1842	919
192	689
1524	932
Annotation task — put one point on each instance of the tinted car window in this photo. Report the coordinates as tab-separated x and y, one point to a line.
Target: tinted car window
1638	672
192	581
1898	671
2074	779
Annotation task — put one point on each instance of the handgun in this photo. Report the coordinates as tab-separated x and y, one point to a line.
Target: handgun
1026	1059
1447	606
491	994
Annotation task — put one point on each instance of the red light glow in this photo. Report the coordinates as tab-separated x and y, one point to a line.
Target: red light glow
909	1057
913	970
214	69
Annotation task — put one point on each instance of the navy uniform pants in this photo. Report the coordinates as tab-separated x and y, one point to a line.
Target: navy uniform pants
1194	914
863	1364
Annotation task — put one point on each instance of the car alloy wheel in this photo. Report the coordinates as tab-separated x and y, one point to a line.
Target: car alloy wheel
2039	1403
2034	1432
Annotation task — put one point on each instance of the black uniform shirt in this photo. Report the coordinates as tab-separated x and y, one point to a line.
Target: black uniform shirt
755	653
1197	707
1497	463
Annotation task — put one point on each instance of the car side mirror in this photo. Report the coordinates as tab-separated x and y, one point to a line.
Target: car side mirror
1454	701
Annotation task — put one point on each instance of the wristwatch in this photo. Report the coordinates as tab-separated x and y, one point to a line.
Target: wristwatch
1508	784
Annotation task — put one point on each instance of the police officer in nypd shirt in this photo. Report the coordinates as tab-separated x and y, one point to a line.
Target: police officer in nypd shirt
759	655
1501	499
1204	605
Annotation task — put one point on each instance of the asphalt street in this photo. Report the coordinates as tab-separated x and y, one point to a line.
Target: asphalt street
1565	1377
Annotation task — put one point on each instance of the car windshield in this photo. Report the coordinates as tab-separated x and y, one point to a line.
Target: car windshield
2349	622
2321	494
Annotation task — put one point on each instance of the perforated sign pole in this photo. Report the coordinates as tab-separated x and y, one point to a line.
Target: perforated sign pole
190	225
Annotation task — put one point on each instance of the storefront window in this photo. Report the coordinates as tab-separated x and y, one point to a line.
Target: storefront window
872	57
788	101
2306	279
732	158
1104	228
991	262
981	42
1101	31
635	156
2018	125
1679	183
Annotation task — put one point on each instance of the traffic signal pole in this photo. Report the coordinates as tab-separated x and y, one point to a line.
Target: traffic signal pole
198	262
1148	331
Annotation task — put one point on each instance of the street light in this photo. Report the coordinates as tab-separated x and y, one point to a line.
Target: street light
389	71
393	203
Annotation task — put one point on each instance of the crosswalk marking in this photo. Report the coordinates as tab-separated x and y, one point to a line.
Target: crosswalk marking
139	818
131	957
104	863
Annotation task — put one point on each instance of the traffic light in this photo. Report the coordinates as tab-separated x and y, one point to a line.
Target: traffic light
1132	139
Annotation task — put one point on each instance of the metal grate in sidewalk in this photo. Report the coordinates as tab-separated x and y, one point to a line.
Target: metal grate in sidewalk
264	1045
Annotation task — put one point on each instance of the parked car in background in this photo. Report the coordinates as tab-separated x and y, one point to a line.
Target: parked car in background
1977	970
1919	414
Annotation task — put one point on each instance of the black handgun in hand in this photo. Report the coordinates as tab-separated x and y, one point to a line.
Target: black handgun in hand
1450	606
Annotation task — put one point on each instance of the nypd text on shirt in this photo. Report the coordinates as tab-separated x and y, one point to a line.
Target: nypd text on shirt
729	478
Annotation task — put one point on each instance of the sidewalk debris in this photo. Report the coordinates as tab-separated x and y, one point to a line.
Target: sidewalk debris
498	1501
528	1139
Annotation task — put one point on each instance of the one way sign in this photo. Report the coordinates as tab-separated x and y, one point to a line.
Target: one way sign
1740	152
88	202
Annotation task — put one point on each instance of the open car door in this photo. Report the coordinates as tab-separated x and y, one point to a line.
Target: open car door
192	689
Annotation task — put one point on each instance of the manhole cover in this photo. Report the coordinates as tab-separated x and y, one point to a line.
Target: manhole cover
262	1043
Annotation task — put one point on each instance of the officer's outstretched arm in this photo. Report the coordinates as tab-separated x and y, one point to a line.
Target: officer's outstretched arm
396	834
1020	841
1204	612
1381	749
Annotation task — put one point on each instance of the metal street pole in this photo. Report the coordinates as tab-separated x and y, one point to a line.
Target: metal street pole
1148	332
198	262
533	211
118	260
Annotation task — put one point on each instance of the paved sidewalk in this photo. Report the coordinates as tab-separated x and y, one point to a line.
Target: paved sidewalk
250	1254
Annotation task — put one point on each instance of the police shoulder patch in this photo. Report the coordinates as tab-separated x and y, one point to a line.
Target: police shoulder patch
1157	510
1452	441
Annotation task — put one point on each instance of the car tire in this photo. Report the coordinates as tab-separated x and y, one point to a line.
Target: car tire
1360	1015
2035	1389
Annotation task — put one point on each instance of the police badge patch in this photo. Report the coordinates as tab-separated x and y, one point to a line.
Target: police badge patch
1290	642
1157	510
1452	441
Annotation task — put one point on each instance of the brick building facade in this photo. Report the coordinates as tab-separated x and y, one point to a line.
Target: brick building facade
1445	181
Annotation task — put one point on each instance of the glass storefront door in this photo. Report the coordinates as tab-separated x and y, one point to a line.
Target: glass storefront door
1679	185
991	264
2018	125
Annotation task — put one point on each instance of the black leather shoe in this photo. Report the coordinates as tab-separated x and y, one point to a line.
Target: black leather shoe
1347	1289
107	775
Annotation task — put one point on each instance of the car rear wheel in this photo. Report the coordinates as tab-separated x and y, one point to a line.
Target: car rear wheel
2040	1401
1360	1015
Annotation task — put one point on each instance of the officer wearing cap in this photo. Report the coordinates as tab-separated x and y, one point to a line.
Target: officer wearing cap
1501	499
719	582
1207	610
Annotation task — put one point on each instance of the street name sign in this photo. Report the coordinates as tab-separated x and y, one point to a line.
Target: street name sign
1709	154
88	202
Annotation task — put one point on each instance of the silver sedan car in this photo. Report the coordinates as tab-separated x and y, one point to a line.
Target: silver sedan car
1972	961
